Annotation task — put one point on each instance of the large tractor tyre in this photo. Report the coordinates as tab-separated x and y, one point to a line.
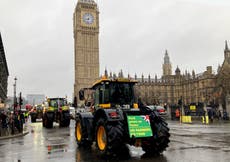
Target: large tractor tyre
61	121
81	135
33	119
64	120
158	143
109	137
47	122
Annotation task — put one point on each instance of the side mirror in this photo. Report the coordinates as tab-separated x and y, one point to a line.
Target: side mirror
81	95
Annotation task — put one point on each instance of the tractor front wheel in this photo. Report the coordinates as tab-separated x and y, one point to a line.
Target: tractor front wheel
48	123
81	135
109	136
156	144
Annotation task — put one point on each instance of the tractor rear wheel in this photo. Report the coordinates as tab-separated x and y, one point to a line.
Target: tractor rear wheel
156	144
33	119
109	137
64	120
47	122
81	135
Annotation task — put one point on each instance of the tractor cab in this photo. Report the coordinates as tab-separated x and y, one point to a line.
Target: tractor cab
114	119
108	93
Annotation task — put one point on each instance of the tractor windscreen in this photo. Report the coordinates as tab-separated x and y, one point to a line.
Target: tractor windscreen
121	93
57	102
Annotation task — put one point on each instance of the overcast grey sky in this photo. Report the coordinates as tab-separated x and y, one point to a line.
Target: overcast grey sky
134	34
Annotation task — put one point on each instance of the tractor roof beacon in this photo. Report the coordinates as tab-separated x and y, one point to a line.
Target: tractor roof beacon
112	118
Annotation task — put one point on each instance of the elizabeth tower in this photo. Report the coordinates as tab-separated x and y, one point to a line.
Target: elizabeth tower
86	44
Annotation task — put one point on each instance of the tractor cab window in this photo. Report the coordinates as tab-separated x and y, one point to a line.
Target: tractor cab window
62	102
57	103
121	93
102	94
53	103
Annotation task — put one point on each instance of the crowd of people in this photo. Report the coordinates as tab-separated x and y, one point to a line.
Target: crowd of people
216	113
11	122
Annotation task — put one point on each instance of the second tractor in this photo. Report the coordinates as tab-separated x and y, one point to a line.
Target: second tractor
56	110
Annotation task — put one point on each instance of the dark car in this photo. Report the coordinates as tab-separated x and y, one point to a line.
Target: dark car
161	110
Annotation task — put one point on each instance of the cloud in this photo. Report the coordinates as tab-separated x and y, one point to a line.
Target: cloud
134	34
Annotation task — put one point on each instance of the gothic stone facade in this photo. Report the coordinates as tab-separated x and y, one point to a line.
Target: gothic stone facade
207	87
3	73
86	44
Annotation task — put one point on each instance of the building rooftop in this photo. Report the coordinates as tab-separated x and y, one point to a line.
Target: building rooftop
2	54
87	1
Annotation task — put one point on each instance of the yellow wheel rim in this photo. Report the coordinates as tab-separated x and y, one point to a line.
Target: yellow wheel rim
78	131
101	138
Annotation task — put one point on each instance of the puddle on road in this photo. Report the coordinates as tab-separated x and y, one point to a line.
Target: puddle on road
56	144
199	147
57	148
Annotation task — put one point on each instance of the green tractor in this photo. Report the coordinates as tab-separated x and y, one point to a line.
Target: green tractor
114	119
56	110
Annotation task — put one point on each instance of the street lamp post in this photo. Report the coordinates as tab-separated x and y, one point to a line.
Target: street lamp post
15	99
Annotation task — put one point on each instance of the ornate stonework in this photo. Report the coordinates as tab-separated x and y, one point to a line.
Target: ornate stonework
3	73
208	87
167	67
86	44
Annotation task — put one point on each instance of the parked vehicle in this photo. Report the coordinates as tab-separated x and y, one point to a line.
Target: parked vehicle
159	109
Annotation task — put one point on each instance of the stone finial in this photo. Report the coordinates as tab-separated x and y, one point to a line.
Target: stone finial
110	75
177	71
166	58
226	45
106	73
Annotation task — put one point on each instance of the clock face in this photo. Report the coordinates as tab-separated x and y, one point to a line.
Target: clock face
88	18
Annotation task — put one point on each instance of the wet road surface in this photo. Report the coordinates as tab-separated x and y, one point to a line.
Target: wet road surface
189	142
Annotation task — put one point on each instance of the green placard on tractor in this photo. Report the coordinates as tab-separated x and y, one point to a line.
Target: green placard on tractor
139	126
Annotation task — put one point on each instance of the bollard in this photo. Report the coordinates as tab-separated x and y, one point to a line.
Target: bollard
205	120
186	119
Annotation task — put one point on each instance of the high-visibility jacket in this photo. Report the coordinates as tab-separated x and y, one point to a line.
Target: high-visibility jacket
177	113
26	114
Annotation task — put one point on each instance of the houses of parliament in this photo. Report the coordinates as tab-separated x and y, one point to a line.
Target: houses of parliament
206	87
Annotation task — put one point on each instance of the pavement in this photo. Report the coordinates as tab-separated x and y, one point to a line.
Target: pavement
25	132
198	120
15	135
